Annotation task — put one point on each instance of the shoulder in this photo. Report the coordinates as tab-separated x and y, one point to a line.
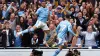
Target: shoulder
40	8
68	22
47	8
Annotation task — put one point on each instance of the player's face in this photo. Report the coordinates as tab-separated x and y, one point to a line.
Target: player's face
43	4
71	21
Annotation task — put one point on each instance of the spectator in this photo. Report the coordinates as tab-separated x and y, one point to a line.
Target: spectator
30	22
90	9
22	23
97	11
59	12
22	9
1	20
34	18
75	4
53	17
12	21
7	36
71	12
51	36
6	10
62	4
80	20
34	40
83	6
85	14
90	41
0	34
17	39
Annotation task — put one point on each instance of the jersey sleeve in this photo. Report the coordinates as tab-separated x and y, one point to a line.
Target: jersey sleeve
57	28
38	11
70	29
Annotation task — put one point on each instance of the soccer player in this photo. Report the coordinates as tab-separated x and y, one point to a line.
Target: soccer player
43	15
63	27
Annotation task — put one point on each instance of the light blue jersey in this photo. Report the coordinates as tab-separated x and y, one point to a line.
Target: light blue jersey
64	27
42	14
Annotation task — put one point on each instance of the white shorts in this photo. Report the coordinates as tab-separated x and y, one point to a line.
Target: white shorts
40	24
61	41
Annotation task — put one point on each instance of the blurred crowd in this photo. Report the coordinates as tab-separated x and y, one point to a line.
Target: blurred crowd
18	15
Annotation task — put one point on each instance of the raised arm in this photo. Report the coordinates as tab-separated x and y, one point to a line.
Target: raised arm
7	11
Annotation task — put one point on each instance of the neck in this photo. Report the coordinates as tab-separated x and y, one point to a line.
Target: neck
43	6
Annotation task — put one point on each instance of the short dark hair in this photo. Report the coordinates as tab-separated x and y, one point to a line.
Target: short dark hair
76	52
38	53
43	1
70	53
